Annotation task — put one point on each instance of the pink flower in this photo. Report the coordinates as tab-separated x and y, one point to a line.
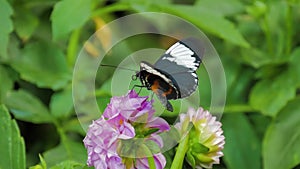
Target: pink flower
206	140
129	107
101	142
126	126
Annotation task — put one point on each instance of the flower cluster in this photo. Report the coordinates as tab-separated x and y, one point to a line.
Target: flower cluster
126	127
127	136
205	137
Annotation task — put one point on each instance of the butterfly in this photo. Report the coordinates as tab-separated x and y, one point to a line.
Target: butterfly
173	76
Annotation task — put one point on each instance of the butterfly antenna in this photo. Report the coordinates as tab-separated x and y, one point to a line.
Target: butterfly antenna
112	66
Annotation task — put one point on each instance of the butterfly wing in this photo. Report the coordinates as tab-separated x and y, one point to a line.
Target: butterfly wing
180	62
163	99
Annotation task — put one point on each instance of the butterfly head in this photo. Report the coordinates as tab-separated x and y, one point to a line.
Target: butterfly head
136	76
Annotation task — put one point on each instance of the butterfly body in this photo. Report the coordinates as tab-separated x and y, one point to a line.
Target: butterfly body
173	76
155	79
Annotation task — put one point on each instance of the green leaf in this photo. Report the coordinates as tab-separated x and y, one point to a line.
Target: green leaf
151	131
242	148
294	67
199	148
271	95
69	15
67	150
190	158
210	22
273	25
12	147
260	123
38	166
68	164
281	143
74	125
42	164
25	23
43	64
27	107
169	158
6	26
146	6
61	103
228	7
6	82
238	81
258	9
257	58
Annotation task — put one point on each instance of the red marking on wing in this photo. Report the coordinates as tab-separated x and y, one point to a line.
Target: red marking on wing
156	86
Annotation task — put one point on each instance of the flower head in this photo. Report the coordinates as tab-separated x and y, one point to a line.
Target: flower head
128	126
101	142
129	107
206	140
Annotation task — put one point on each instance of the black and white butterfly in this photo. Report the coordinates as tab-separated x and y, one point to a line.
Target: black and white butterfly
173	76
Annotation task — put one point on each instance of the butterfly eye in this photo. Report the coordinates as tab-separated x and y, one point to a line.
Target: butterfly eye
134	77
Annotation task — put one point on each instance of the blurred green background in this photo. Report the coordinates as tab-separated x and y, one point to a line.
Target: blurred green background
257	41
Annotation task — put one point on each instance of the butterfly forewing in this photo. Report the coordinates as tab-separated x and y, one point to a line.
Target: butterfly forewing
181	61
174	76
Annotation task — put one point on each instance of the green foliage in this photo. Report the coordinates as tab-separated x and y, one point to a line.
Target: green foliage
6	28
241	150
12	145
258	43
269	96
7	82
69	15
42	164
68	150
61	103
286	122
42	64
210	21
25	23
27	107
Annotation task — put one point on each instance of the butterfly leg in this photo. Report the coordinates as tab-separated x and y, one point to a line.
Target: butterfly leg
140	86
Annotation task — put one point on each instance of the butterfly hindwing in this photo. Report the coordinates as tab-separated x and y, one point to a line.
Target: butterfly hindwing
163	99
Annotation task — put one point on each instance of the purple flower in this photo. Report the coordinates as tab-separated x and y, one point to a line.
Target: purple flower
130	107
126	126
101	142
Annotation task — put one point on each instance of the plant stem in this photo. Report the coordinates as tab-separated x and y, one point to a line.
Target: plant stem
150	157
110	8
289	29
63	137
73	46
180	153
268	35
151	162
